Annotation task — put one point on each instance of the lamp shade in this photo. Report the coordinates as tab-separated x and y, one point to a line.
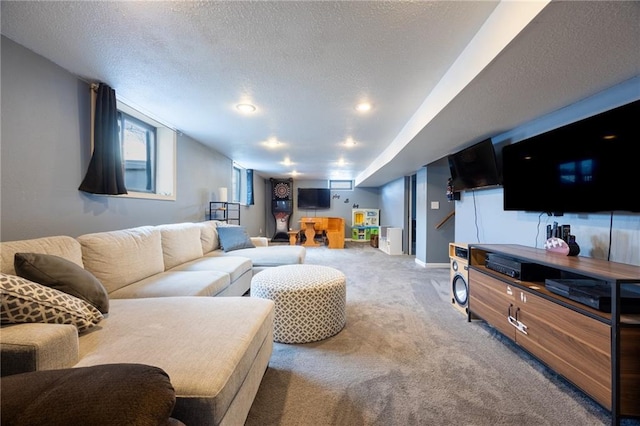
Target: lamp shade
222	194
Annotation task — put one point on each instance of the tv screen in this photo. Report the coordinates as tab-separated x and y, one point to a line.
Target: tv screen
584	167
474	167
314	198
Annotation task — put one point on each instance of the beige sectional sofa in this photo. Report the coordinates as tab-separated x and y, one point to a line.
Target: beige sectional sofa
183	259
214	349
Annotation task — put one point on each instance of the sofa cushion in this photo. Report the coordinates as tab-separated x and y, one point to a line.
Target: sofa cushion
24	301
207	345
110	394
170	283
235	266
64	275
62	245
234	238
268	256
209	235
119	258
180	243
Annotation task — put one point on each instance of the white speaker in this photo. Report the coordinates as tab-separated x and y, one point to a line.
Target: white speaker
459	283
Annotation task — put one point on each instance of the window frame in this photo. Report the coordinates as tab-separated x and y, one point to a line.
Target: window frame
166	157
236	184
341	185
151	152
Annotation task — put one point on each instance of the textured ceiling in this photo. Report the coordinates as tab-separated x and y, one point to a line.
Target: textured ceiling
440	74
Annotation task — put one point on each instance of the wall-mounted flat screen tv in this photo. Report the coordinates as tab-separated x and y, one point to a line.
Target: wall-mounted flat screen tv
474	167
314	198
586	166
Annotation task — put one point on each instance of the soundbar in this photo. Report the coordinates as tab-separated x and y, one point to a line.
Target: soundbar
523	271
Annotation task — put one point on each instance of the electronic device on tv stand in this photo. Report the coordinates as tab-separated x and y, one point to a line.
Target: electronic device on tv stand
523	271
596	294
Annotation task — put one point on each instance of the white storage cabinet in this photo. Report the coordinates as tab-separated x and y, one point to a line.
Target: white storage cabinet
390	240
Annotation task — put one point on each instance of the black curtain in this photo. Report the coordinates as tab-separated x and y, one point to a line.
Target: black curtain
105	174
250	200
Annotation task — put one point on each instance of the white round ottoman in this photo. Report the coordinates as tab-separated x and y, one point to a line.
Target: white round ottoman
309	301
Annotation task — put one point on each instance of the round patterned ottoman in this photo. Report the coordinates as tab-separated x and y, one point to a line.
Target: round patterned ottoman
309	301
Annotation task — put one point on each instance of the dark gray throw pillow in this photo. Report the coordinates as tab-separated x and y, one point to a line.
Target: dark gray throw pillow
234	238
63	275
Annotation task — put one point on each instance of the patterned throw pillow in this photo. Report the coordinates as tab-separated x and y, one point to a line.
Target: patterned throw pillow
23	301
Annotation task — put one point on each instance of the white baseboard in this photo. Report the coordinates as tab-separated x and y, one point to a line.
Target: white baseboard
432	265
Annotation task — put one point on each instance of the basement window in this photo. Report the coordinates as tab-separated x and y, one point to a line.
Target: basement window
236	184
341	185
149	155
138	142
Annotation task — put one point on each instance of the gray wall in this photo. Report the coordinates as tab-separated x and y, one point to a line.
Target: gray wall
432	245
393	207
46	150
393	204
438	239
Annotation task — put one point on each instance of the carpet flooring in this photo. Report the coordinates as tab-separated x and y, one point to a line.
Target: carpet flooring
407	357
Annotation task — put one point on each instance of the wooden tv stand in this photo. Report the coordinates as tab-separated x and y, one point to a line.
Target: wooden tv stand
598	352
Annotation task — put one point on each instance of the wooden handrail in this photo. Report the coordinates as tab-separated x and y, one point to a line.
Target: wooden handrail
446	218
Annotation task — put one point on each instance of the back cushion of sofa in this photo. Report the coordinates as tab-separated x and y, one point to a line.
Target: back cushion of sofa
62	246
119	258
209	236
180	243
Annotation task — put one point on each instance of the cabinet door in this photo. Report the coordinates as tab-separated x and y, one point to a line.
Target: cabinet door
492	300
630	371
574	345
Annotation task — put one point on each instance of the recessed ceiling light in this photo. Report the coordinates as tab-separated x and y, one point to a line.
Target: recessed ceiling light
363	107
341	162
350	142
287	162
294	173
246	108
272	142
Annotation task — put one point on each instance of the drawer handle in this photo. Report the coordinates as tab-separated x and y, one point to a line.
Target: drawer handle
515	322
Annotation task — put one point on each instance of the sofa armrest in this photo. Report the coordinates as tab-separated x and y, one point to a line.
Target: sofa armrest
35	346
260	241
